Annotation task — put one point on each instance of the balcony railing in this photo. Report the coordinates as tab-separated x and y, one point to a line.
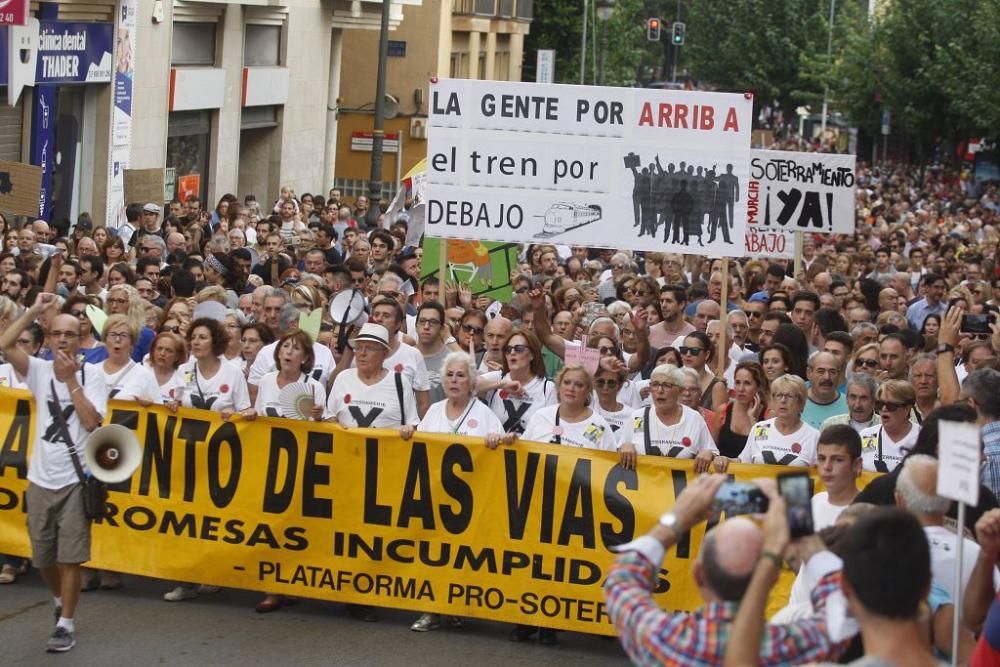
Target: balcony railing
521	9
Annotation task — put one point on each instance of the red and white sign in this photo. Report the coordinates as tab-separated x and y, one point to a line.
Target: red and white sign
13	12
362	141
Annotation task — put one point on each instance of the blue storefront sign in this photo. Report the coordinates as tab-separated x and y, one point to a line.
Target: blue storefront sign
74	52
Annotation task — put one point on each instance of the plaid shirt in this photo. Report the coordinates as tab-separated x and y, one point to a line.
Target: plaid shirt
991	464
652	636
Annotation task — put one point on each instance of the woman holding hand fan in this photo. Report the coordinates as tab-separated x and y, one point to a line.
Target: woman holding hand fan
291	393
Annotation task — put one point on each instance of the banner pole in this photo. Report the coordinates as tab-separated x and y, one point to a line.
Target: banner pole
959	541
723	317
442	263
797	266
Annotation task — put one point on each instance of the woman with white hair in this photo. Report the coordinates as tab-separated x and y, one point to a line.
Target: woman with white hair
670	428
784	439
460	413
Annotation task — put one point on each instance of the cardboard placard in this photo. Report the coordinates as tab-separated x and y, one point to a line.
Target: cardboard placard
20	185
144	185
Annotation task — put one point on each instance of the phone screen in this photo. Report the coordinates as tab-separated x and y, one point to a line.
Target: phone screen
977	324
735	498
797	490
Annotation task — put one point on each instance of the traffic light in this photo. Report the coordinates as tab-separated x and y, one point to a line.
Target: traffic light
653	29
678	34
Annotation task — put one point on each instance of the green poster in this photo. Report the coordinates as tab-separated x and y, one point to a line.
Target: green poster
487	265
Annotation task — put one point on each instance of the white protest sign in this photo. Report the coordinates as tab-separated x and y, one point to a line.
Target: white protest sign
633	168
958	461
790	192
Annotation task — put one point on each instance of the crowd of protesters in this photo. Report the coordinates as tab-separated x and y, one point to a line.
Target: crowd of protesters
846	365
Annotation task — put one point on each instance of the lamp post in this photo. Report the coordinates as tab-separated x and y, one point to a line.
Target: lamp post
378	132
829	65
605	8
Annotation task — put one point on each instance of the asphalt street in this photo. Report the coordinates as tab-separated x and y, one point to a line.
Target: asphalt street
134	626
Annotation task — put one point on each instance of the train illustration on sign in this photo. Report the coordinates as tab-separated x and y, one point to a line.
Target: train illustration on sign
564	217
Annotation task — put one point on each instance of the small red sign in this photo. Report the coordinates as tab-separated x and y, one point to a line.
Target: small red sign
13	12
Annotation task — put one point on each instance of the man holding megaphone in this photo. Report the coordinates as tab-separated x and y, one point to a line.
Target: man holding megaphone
70	402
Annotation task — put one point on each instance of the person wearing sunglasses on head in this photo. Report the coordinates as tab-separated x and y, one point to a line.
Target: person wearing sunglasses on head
885	445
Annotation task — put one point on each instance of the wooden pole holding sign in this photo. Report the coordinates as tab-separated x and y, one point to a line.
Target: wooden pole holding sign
723	318
797	266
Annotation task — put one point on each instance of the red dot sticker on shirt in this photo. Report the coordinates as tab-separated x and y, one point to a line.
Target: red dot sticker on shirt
558	430
686	441
503	393
347	398
473	423
224	388
398	368
796	447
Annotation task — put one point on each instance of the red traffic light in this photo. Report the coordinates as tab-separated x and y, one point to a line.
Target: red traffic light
653	29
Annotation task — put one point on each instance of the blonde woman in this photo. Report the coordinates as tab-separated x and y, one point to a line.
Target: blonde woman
784	439
125	300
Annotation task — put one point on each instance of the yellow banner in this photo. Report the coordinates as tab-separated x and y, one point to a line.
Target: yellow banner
436	524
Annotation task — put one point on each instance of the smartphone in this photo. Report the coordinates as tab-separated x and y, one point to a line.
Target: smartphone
797	490
978	324
734	498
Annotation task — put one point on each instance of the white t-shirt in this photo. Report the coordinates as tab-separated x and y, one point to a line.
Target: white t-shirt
590	433
683	440
264	363
516	410
226	390
8	378
268	403
130	382
408	361
169	390
824	513
766	444
892	452
476	419
355	403
620	421
51	466
944	544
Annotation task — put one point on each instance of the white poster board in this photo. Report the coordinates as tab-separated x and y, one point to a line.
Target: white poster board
633	168
959	453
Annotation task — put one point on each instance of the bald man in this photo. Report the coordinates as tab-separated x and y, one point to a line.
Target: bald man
498	330
888	299
722	571
175	242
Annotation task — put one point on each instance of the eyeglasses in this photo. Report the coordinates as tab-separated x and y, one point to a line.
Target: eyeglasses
118	335
692	351
515	349
175	330
471	330
605	383
619	266
867	363
784	397
606	351
78	313
662	385
890	406
754	314
428	322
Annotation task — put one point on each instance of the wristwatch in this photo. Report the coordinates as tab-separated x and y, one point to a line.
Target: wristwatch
670	520
945	347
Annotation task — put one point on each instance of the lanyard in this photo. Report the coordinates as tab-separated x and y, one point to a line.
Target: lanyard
456	427
557	431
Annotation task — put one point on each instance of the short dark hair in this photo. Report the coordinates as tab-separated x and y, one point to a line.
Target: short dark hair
829	320
843	435
680	294
776	270
929	279
302	338
806	295
782	318
880	536
95	262
729	587
842	337
983	386
432	305
143	262
392	303
220	339
182	283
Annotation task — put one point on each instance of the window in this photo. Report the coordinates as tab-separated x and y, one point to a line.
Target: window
188	134
525	9
486	7
459	65
481	70
193	44
501	66
262	47
507	8
253	118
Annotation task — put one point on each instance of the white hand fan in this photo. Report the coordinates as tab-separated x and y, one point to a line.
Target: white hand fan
296	400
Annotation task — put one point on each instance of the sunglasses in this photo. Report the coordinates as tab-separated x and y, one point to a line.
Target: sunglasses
606	351
604	383
175	330
515	349
867	363
891	406
469	329
693	351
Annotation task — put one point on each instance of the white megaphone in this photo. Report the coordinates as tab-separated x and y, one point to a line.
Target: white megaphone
112	453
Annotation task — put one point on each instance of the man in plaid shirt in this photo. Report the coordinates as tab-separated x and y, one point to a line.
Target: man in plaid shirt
729	554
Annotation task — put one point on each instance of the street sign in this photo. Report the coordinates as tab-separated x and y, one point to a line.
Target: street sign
13	12
545	66
885	121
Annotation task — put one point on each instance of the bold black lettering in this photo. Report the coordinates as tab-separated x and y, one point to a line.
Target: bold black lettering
619	506
223	495
812	211
456	522
262	534
513	423
364	419
771	459
314	475
548	497
14	453
183	525
157	455
418	481
519	496
679	478
789	202
578	497
209	526
192	432
295	539
283	443
234	532
380	515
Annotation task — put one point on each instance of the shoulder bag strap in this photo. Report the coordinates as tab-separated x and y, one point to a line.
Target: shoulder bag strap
645	426
64	430
399	395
